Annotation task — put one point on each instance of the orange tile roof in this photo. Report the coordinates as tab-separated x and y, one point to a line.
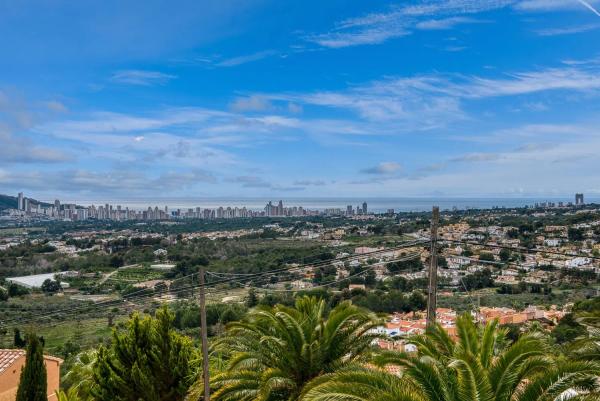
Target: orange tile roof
8	357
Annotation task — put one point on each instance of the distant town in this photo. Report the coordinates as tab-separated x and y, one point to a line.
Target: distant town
28	208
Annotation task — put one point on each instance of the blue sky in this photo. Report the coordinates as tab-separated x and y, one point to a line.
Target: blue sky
261	98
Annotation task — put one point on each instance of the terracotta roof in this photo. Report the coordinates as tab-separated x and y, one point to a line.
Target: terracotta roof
8	357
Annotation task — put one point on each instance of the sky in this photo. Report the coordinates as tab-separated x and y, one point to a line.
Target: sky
260	98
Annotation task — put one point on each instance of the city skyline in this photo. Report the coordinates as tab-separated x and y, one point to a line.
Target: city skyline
429	98
30	208
33	209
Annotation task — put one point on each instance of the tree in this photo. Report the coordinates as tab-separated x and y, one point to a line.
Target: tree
18	341
80	378
405	265
480	366
3	294
33	380
51	286
70	395
504	255
15	290
575	234
568	329
148	361
276	350
477	280
252	299
116	261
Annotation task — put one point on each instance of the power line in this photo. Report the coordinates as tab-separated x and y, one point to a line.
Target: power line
367	269
144	293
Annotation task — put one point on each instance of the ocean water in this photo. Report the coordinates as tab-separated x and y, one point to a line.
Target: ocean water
374	204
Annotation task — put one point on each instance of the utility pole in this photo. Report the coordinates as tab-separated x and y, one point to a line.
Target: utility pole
204	333
433	268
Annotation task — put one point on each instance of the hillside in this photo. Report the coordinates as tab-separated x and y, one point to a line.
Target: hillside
8	202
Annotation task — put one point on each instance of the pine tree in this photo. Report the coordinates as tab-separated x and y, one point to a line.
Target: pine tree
252	299
33	381
149	361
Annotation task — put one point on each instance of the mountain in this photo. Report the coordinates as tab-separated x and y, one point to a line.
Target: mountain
8	202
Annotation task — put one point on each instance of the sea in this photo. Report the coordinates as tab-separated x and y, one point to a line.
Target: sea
377	205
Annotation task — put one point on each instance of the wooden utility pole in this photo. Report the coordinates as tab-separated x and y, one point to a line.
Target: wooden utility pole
204	333
433	267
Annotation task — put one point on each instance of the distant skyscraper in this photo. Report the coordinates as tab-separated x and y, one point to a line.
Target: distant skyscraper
578	199
364	208
280	208
20	202
349	210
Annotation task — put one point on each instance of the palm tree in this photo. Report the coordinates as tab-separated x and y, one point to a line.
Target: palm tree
81	375
275	351
480	366
70	395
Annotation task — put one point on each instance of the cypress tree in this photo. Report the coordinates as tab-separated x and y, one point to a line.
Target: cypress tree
148	361
32	384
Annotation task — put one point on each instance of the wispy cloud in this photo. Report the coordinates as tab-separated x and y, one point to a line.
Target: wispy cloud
445	23
141	77
548	5
24	151
383	168
475	157
400	21
371	36
118	181
251	103
307	183
235	61
567	30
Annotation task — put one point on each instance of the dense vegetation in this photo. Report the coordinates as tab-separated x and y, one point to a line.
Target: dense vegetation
311	352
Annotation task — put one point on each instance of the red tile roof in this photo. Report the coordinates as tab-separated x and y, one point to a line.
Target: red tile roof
8	357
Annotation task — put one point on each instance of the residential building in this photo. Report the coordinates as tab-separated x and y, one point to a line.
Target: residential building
11	363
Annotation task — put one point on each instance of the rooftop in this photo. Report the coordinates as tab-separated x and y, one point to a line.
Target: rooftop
8	357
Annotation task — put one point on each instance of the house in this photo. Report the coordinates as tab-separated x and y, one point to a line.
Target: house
357	287
11	363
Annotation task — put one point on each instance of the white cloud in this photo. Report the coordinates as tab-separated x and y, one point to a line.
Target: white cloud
307	183
401	19
445	23
376	28
554	5
15	149
383	168
364	37
235	61
251	103
567	30
56	106
119	181
141	77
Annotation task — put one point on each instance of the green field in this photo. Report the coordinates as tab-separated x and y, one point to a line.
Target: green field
21	230
134	275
